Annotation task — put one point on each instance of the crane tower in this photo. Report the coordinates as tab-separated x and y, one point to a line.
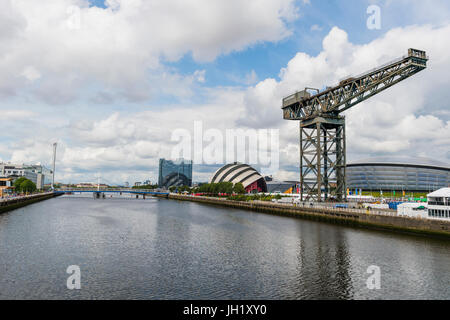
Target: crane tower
322	127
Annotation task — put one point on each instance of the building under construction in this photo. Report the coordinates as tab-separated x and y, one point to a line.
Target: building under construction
322	125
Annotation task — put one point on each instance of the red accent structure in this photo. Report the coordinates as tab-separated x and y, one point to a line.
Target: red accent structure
252	187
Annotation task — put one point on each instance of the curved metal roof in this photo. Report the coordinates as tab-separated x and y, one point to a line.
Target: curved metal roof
402	160
236	173
444	192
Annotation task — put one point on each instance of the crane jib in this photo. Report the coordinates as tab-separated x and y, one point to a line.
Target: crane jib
353	90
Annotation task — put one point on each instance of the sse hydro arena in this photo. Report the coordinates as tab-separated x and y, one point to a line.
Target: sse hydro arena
398	173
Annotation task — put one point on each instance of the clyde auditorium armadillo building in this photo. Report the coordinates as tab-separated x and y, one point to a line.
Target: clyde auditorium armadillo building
240	173
398	173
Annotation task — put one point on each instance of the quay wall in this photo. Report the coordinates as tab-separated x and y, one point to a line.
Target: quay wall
15	203
355	218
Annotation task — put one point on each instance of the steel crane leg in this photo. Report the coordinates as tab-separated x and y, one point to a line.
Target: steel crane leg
322	159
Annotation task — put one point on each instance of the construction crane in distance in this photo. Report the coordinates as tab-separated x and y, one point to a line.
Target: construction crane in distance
322	127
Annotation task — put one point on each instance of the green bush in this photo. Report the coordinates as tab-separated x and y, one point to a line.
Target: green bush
254	197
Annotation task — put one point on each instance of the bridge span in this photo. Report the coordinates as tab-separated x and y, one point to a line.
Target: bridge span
113	190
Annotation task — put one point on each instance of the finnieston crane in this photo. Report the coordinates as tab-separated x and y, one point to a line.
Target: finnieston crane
322	127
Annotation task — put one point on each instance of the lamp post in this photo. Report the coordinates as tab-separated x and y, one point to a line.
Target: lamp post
54	165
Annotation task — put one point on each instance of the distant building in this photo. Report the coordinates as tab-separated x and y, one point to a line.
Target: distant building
6	186
147	182
439	204
174	173
137	184
240	173
85	185
90	185
281	187
127	184
397	173
38	174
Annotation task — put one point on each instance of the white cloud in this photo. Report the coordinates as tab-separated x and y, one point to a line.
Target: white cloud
251	78
115	47
199	75
395	121
69	46
31	74
316	27
10	115
124	145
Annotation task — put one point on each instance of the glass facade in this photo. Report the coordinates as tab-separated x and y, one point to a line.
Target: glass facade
174	173
397	177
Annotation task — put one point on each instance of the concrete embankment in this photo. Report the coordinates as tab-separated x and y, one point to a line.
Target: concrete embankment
356	218
18	202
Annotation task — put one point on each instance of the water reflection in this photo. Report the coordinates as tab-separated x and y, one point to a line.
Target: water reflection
323	270
161	249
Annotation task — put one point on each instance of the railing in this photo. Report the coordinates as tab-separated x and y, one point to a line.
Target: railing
30	196
316	206
343	210
436	203
373	69
110	190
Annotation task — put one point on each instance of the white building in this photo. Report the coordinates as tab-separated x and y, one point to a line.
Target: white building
38	174
412	210
439	204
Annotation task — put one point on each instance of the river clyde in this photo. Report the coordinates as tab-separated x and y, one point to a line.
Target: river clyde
163	249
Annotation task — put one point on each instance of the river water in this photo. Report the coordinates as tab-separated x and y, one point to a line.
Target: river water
164	249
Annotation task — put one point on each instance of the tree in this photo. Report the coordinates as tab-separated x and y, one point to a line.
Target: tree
18	182
239	188
148	186
226	187
28	186
24	185
184	188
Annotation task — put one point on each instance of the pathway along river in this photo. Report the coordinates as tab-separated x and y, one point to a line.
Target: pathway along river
164	249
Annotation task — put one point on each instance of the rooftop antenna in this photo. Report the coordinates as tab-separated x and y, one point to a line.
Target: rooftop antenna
54	164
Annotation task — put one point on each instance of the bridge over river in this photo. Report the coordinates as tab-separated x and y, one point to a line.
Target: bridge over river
151	192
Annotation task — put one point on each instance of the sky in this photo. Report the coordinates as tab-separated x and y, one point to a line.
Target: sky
112	81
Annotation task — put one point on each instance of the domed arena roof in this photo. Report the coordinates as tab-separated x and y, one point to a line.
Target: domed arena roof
401	160
238	173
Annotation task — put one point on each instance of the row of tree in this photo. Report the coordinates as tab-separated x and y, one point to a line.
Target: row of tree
213	188
23	185
147	187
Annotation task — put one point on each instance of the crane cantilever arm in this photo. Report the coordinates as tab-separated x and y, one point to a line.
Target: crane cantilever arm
349	92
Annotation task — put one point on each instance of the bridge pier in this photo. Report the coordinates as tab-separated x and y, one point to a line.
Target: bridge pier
98	195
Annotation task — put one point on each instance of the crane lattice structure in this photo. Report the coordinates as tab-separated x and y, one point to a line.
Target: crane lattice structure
322	127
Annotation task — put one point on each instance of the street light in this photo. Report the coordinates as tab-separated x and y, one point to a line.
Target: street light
54	165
